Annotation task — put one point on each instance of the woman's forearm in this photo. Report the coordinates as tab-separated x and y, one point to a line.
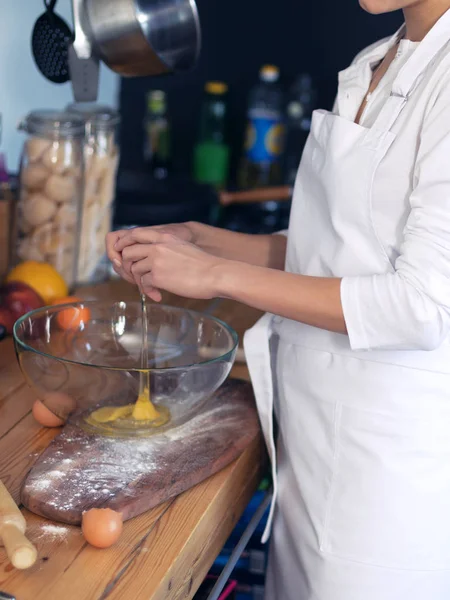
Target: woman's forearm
259	250
315	301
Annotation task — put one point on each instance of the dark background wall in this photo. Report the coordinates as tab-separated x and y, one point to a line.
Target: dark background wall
316	36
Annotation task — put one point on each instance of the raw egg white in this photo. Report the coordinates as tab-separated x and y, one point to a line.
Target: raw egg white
101	527
44	416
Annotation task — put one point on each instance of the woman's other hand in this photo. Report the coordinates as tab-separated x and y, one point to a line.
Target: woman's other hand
116	241
174	266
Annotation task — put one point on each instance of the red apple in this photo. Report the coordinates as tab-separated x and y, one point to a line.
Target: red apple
19	298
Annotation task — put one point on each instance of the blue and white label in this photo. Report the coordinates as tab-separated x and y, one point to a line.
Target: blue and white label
265	136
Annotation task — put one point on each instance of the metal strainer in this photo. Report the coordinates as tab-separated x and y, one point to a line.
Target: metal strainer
50	40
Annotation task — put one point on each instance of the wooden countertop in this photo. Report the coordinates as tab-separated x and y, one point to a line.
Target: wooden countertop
162	555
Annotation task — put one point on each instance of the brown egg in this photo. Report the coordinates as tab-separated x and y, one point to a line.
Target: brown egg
44	416
60	404
101	527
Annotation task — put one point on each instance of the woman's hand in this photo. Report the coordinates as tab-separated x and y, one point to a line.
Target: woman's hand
116	241
172	265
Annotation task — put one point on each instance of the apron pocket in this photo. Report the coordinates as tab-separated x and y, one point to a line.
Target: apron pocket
389	503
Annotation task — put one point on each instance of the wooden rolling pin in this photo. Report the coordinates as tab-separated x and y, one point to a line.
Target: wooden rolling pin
19	550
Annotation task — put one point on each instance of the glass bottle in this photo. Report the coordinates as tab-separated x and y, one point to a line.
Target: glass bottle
211	153
264	142
157	135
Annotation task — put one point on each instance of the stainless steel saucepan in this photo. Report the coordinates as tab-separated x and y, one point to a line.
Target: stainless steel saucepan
133	38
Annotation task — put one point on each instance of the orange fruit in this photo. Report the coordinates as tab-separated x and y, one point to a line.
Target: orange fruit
42	277
71	318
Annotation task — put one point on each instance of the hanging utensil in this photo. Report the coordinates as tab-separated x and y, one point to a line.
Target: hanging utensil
83	64
133	38
144	37
49	42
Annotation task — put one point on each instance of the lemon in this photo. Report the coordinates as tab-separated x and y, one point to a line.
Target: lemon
42	277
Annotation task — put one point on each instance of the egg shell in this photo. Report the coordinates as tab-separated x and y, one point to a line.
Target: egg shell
44	416
101	527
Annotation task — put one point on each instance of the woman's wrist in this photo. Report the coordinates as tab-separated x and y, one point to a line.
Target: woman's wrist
227	277
198	232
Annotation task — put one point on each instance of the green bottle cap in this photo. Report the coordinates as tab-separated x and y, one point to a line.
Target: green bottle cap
156	101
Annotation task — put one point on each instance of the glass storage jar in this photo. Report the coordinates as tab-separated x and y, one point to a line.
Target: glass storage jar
101	156
50	191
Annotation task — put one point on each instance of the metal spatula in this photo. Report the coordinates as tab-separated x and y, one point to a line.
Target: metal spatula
49	42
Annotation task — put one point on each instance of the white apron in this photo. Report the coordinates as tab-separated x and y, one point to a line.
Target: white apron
362	472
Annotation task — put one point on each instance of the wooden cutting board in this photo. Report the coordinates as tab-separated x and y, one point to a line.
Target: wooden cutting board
79	470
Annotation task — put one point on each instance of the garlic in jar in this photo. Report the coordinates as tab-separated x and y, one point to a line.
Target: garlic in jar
50	194
60	188
59	156
66	215
35	148
37	210
34	176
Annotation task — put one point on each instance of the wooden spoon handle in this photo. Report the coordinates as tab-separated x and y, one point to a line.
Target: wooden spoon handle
256	195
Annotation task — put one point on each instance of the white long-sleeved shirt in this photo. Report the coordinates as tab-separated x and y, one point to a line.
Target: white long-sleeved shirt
408	308
378	97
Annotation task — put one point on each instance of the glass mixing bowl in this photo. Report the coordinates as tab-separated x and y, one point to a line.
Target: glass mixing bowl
82	356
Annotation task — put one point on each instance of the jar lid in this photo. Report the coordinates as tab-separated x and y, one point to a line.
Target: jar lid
98	115
53	124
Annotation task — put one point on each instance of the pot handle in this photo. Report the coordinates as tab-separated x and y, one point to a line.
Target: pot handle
81	44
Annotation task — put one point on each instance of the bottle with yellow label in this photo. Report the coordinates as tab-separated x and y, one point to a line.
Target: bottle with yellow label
265	135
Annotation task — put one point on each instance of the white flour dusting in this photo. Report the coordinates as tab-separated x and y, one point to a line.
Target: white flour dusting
51	532
78	473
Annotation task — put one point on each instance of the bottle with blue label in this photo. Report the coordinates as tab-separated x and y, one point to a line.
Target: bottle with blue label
265	136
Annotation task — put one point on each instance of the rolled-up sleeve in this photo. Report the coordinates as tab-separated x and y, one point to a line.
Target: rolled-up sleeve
409	308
